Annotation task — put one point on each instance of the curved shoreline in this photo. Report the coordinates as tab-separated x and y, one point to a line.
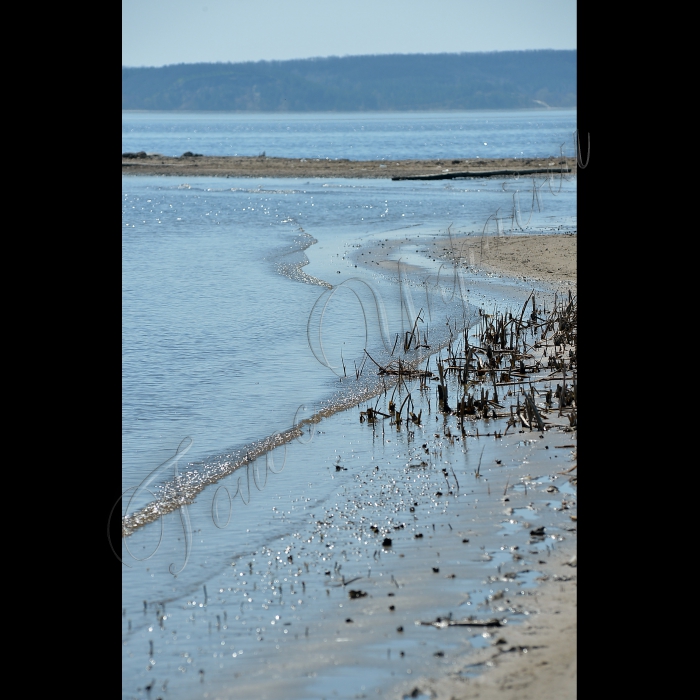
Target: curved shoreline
532	660
542	664
263	166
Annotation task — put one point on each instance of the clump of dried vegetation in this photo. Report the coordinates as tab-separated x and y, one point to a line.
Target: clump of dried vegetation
522	368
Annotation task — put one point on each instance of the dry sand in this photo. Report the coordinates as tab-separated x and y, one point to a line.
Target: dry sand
544	258
261	166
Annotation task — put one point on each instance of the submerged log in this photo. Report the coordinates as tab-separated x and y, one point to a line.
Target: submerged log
481	173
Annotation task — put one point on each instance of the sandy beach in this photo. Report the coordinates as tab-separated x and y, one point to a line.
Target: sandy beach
541	663
142	163
535	660
548	260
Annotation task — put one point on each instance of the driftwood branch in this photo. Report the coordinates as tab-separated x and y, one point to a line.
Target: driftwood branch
481	173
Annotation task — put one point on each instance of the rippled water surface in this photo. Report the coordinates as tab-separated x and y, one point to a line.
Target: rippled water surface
376	136
216	303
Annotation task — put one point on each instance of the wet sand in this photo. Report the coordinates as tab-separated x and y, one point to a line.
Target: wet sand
546	259
540	663
535	660
262	166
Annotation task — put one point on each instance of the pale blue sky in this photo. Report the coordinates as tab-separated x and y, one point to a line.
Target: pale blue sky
162	32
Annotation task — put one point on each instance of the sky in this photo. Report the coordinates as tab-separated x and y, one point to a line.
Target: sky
164	32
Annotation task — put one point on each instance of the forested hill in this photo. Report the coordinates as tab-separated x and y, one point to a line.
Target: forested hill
496	80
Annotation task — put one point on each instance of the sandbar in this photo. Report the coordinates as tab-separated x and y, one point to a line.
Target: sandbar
142	163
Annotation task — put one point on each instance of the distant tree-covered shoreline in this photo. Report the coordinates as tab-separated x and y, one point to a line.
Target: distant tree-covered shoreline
398	82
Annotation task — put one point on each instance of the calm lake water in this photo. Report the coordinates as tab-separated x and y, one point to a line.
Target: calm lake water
371	136
221	334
